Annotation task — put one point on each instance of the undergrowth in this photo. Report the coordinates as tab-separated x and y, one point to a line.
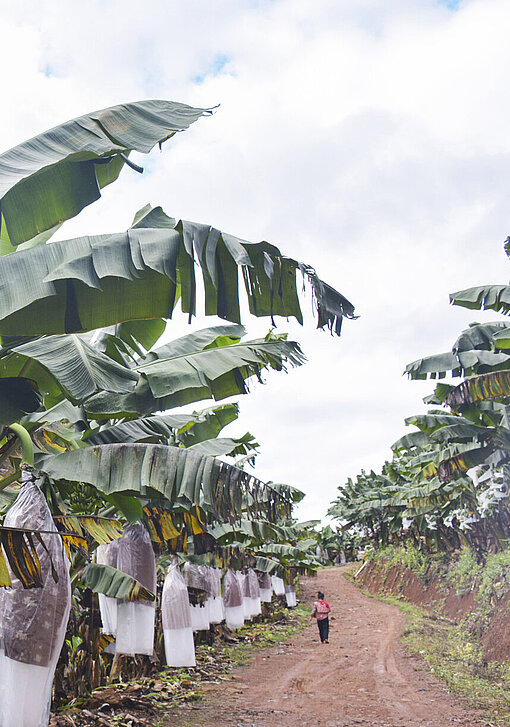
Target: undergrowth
407	556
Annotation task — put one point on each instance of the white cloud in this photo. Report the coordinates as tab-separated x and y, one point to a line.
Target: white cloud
365	137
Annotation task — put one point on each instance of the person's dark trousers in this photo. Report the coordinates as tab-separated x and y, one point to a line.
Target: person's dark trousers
323	625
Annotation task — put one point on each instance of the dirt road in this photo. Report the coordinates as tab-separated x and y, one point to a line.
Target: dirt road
361	678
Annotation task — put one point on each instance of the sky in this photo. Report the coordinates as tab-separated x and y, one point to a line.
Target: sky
367	138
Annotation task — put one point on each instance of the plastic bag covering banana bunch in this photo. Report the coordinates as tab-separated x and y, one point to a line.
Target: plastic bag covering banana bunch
176	619
233	600
253	590
266	589
278	585
107	555
196	576
215	601
32	621
135	619
290	596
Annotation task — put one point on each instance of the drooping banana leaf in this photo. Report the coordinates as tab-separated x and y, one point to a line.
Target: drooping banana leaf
114	583
183	477
461	463
92	282
481	336
462	363
18	547
484	297
409	441
78	368
186	428
216	373
53	176
292	493
227	446
495	385
101	529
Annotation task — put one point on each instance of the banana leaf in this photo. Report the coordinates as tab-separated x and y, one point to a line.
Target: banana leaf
78	368
483	297
227	446
181	379
451	468
182	476
187	428
461	363
114	583
92	282
53	176
495	385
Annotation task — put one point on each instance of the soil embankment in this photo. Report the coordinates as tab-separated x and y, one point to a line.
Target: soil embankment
362	677
437	596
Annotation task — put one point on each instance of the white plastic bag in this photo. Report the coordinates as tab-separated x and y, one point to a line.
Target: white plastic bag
33	621
233	600
135	619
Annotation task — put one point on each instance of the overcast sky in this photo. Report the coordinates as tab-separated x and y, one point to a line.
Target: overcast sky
368	138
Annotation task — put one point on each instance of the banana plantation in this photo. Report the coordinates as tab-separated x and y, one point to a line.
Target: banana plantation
124	531
446	484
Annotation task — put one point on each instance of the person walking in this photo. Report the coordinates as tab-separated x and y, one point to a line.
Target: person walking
321	611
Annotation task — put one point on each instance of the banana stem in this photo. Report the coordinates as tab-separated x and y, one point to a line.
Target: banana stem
27	447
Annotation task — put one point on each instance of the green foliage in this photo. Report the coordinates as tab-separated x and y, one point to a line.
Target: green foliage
463	571
407	556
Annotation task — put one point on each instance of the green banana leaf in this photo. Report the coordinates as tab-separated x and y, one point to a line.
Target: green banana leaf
409	441
462	363
53	176
227	446
183	477
214	372
483	297
78	368
92	282
481	336
187	428
114	583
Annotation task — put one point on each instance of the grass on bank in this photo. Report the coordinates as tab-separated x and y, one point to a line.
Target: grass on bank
455	656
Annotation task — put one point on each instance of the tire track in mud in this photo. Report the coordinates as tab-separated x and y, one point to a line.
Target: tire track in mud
362	677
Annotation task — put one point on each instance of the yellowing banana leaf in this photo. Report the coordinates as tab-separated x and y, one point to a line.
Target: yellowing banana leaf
494	385
101	529
114	583
162	524
93	282
20	551
461	463
53	176
5	578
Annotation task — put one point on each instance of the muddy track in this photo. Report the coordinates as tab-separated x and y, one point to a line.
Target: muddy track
362	677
